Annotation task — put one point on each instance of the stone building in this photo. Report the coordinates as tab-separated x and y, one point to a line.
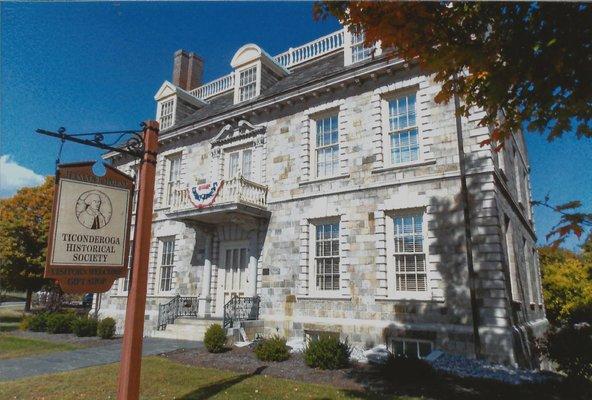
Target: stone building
325	190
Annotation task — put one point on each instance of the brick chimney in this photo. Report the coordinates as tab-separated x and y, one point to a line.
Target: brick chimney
187	70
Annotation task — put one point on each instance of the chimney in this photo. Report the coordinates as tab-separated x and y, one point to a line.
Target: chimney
187	70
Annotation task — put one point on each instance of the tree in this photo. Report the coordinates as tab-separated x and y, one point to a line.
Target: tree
567	285
527	61
525	64
24	225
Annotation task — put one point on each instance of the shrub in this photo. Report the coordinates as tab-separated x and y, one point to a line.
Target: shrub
404	369
37	322
215	339
85	326
106	328
60	322
327	352
25	322
571	348
273	349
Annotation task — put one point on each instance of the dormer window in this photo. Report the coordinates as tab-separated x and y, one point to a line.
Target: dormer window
248	83
254	72
167	109
358	51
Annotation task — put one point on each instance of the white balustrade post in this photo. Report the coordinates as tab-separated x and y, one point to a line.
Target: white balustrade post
206	281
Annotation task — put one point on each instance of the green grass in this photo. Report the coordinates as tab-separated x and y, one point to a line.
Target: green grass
13	346
10	319
164	379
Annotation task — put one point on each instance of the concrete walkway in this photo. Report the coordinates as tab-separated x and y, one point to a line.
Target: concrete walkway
17	368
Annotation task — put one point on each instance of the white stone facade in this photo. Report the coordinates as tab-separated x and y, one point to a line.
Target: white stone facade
364	194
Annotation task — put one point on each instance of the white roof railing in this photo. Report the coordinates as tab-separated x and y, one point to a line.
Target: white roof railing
294	56
214	87
310	50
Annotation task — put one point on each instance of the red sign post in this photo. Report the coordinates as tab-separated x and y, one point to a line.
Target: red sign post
131	352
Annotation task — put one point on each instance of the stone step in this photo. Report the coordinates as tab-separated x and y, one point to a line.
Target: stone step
187	329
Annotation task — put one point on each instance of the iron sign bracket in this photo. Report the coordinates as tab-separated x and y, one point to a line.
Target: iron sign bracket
128	142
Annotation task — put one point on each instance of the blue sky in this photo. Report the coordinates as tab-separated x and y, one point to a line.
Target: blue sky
97	66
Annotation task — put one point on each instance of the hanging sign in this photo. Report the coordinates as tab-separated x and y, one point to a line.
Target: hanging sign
204	195
88	243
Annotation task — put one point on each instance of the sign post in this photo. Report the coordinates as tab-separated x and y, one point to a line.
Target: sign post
88	243
131	352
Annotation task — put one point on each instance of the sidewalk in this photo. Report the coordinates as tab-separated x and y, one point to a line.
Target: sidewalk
18	368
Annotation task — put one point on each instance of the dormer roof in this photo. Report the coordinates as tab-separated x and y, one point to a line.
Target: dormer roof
250	53
167	89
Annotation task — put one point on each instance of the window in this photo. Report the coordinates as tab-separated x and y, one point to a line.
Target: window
403	133
130	260
409	253
529	269
326	256
240	163
135	173
166	264
327	146
411	348
358	51
518	177
174	177
247	83
166	114
511	257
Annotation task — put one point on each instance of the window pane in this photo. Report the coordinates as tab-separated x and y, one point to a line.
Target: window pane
403	130
247	161
409	256
327	256
327	142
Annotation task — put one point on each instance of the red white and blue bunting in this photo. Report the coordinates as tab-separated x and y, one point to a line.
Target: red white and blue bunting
204	195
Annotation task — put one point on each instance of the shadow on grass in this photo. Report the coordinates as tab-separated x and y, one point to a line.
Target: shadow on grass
440	386
213	389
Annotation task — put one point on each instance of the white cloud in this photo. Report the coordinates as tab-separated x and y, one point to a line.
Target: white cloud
14	176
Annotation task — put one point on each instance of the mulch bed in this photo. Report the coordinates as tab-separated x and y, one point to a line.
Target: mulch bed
243	360
69	338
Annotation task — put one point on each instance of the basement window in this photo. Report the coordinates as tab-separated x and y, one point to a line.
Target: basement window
410	348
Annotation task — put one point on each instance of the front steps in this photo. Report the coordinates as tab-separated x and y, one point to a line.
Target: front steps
187	329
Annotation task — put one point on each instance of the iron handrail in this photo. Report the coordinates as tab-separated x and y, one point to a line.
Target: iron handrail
179	306
240	308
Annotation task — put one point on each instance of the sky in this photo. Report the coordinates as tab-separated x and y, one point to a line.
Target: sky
96	66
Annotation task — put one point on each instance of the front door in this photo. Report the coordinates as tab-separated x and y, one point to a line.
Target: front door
232	273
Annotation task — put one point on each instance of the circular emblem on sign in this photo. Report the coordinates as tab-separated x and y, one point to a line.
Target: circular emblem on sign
93	209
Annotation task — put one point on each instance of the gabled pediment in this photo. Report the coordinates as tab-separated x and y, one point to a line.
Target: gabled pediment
168	89
242	130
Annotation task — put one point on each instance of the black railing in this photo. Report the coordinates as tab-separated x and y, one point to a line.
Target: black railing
179	306
240	309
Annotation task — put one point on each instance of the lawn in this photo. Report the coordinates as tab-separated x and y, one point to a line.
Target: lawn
10	318
12	346
164	379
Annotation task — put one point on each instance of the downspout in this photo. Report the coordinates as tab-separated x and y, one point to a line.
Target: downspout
468	237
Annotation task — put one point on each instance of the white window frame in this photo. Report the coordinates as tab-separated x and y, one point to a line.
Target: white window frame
391	262
511	258
171	185
312	275
314	148
386	137
125	281
405	341
166	113
162	266
240	169
255	83
358	51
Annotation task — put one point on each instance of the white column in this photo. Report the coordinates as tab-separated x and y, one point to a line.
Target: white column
206	280
252	277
